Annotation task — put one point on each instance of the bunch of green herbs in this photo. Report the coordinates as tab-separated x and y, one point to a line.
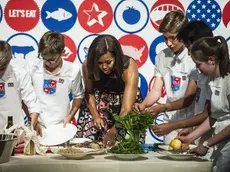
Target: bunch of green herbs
136	124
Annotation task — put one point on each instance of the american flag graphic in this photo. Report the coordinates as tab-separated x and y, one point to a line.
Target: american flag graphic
206	10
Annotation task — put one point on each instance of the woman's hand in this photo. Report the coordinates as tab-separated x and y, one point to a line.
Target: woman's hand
99	122
110	137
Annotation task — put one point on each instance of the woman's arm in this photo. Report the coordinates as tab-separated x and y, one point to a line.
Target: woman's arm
130	77
90	98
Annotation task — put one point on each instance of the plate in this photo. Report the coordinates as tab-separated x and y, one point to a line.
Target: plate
79	140
74	156
166	147
178	156
57	134
127	156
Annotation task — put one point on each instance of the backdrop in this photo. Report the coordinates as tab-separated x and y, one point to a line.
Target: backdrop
133	22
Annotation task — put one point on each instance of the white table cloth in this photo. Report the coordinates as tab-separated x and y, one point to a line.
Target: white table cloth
151	162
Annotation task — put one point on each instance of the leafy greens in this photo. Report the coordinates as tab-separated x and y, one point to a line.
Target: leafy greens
136	124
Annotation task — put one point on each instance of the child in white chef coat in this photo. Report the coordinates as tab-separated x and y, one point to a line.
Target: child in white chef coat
15	87
54	79
174	69
211	56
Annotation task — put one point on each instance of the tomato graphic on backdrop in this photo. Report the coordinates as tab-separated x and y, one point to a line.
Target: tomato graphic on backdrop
131	15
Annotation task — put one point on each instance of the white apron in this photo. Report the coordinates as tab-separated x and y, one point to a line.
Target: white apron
53	93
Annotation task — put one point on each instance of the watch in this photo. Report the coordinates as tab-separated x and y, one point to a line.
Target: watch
205	144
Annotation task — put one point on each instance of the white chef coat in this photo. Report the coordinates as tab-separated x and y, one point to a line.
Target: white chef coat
176	71
15	86
53	91
219	89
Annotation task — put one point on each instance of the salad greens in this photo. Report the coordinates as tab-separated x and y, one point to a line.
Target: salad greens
136	124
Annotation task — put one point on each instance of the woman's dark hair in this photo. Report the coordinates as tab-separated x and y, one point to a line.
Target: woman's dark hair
217	47
100	46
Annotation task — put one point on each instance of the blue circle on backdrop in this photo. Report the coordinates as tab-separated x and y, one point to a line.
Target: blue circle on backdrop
152	50
131	16
208	11
0	13
85	49
143	85
158	121
59	15
24	34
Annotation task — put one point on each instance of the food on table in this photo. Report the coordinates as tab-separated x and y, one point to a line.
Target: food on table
93	145
69	150
176	144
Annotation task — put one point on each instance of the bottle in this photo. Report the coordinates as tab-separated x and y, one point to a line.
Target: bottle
10	124
30	148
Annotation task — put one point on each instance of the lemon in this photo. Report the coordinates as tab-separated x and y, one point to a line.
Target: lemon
175	144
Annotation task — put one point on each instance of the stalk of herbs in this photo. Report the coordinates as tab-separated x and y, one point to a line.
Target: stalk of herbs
136	124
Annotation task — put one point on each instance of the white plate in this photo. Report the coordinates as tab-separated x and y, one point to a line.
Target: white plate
126	156
178	156
56	134
79	140
74	156
166	147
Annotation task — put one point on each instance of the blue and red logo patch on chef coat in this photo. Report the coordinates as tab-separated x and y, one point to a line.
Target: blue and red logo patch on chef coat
49	86
2	89
175	83
198	91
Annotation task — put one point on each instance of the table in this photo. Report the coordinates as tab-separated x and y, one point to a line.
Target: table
152	161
